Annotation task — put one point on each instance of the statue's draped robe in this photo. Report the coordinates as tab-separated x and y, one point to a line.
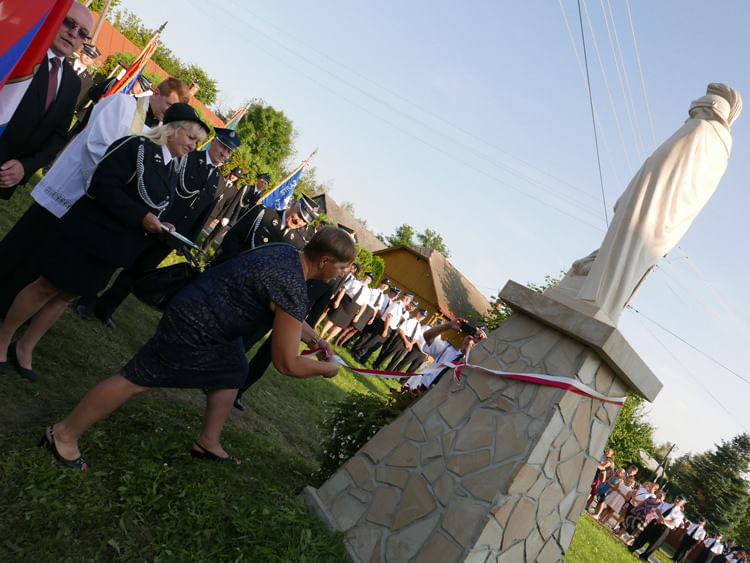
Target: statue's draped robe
657	208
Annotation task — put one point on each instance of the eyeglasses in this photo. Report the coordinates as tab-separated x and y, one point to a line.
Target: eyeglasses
72	24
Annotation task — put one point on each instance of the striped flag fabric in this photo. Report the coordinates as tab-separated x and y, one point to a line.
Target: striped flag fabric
125	84
26	32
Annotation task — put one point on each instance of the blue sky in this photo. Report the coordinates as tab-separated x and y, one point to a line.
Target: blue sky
473	119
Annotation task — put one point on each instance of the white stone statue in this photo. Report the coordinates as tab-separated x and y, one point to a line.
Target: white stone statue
656	209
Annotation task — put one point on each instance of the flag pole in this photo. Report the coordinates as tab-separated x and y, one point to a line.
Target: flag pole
305	162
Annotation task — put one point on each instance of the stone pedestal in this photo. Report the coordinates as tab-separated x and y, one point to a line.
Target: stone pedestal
490	469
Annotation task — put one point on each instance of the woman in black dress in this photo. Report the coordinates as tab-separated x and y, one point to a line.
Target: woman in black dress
198	343
130	189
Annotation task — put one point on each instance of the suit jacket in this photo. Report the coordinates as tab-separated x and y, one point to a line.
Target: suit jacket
87	81
107	221
33	136
223	201
196	192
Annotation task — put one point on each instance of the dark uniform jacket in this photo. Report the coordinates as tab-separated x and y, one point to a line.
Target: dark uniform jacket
196	188
87	81
259	226
107	220
33	136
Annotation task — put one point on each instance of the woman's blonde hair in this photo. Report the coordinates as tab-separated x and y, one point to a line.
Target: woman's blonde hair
160	135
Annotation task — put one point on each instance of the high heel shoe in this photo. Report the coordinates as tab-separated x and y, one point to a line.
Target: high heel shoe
49	441
22	371
203	453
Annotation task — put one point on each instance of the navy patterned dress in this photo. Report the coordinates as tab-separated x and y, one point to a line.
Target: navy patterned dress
198	343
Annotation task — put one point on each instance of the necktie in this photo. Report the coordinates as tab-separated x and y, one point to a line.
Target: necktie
52	82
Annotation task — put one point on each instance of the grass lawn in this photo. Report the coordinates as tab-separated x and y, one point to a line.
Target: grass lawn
145	498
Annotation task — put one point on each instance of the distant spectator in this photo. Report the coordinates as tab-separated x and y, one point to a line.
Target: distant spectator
604	471
695	533
669	516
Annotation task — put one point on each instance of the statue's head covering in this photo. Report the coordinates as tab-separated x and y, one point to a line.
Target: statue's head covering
730	95
711	107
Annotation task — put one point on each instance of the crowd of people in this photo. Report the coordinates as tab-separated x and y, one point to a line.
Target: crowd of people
123	188
644	519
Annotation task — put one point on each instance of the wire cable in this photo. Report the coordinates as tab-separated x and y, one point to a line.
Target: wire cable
640	70
593	120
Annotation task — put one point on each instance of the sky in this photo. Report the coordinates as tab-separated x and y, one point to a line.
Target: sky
474	119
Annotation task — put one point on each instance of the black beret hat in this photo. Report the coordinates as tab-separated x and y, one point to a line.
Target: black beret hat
183	112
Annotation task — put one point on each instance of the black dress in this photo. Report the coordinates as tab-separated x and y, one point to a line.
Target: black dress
198	342
102	231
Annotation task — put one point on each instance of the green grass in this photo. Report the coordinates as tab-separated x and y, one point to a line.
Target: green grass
593	544
145	498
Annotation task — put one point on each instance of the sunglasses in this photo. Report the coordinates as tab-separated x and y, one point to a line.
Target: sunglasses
72	24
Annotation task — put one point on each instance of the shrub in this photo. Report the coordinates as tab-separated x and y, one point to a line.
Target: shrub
351	422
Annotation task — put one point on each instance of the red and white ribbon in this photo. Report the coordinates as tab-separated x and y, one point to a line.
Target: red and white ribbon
567	383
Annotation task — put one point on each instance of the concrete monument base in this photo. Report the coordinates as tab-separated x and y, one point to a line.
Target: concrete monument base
490	469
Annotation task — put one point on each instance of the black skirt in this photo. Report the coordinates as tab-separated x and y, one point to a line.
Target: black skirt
166	361
342	317
73	269
364	318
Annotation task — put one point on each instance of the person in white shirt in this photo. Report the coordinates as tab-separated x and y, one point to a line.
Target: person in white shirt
344	307
397	313
670	517
442	352
695	532
711	548
415	357
406	337
372	337
365	315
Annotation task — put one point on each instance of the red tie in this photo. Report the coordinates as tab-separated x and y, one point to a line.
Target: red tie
52	82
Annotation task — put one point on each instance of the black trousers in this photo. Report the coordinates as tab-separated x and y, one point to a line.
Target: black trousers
395	349
654	534
686	545
411	361
216	232
371	339
18	252
107	303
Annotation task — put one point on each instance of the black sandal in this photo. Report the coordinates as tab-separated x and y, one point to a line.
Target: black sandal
49	441
206	454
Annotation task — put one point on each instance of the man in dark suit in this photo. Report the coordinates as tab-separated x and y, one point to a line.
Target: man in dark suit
197	176
224	205
38	129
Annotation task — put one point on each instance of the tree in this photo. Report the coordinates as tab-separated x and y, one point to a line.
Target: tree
500	311
632	433
714	482
97	5
403	235
431	239
131	26
266	136
349	206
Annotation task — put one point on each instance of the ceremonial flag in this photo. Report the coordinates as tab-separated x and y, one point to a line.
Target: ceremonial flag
28	29
125	84
279	196
231	124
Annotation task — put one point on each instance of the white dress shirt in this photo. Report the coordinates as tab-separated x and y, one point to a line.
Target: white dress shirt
696	531
70	175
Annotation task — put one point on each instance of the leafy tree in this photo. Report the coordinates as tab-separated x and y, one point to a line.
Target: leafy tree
131	26
403	235
128	58
714	482
370	263
266	136
432	239
97	5
349	206
632	432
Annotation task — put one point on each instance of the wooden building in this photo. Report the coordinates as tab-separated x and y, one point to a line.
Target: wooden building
436	284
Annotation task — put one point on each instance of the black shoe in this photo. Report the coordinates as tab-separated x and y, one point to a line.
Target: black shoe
203	453
238	404
82	311
22	371
49	441
109	323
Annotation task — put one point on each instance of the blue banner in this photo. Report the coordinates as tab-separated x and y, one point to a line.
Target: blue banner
279	197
